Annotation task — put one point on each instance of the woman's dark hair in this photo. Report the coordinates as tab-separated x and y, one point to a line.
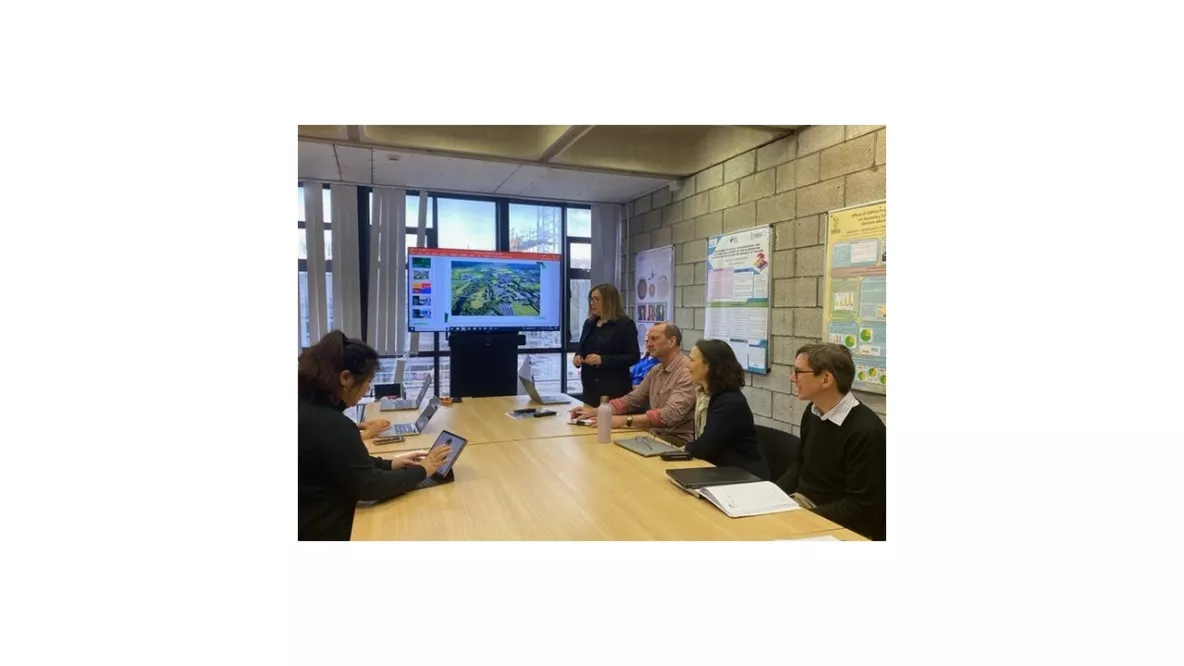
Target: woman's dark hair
723	370
322	363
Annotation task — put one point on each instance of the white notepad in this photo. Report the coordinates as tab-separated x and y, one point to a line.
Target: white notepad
749	499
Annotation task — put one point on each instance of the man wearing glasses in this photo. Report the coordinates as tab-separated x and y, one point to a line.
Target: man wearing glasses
840	469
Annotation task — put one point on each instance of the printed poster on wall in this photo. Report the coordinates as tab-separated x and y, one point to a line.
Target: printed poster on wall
738	276
854	314
654	300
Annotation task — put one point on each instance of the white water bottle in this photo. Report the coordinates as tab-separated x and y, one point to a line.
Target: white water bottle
604	421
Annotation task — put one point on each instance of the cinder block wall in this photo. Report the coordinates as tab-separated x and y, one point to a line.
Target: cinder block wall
789	184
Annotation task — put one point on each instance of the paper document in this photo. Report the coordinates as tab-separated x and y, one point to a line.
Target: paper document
749	499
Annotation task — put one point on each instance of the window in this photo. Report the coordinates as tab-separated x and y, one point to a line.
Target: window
579	222
326	204
574	387
466	225
302	243
305	338
578	306
535	228
546	371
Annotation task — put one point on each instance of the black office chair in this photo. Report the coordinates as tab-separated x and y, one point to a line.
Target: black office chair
780	448
385	390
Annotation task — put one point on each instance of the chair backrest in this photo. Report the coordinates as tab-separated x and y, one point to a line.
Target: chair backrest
384	390
780	449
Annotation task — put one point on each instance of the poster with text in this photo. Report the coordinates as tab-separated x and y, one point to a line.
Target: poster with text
739	271
855	312
654	289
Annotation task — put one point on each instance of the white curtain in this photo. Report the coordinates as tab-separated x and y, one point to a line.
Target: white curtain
347	287
606	244
314	222
387	297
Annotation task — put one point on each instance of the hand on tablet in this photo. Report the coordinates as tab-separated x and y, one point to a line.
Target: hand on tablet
407	459
436	457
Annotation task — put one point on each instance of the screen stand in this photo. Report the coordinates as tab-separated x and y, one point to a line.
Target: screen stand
484	364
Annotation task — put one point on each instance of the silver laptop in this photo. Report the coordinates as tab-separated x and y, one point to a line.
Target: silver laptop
406	405
645	445
407	429
542	399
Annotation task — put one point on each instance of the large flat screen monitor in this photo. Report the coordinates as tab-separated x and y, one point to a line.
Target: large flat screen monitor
459	290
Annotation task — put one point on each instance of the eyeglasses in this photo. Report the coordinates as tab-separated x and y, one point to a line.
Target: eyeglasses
799	371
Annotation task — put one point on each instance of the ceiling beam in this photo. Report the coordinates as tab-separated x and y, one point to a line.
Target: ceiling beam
491	158
565	141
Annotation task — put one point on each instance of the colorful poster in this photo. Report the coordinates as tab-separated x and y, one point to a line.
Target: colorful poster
738	276
854	313
654	295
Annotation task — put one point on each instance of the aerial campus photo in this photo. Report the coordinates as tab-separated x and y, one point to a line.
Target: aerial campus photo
483	288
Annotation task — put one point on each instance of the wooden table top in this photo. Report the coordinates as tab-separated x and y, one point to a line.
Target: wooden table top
481	421
565	488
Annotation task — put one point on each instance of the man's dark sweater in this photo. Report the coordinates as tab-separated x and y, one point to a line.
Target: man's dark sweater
842	469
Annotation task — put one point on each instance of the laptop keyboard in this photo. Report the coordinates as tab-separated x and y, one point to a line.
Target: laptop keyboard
427	483
403	429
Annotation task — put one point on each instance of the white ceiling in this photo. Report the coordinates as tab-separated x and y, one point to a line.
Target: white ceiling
330	162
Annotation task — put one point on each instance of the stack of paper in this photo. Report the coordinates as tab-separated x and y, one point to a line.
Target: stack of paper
749	499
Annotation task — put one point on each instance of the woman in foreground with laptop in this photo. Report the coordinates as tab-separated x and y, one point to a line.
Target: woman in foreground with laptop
725	433
335	470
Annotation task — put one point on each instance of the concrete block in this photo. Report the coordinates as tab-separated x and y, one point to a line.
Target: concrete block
684	274
693	252
806	231
783	233
782	293
819	198
724	196
740	217
778	152
642	205
757	186
653	220
709	178
684	317
810	261
701	318
874	401
783	264
709	225
739	166
694	297
695	206
660	198
782	322
785	177
806	170
783	408
690	337
661	237
672	214
807	323
816	138
640	242
859	130
805	292
686	188
760	401
776	381
684	231
678	297
782	350
822	292
775	209
701	273
865	186
848	157
882	146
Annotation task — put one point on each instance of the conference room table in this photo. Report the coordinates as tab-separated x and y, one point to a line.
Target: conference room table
542	479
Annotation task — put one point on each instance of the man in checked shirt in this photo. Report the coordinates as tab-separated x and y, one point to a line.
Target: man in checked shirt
665	399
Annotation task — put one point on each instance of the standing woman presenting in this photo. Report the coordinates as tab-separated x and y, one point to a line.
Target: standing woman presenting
608	346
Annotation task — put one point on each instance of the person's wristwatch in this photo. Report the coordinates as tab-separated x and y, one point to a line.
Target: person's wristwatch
629	421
